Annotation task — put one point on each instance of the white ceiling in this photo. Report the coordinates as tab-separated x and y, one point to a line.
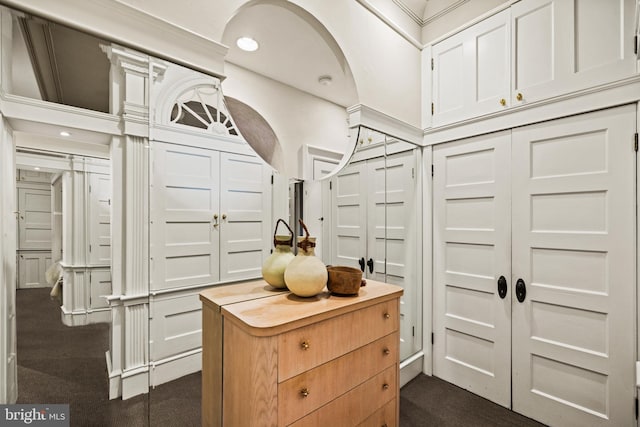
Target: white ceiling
294	49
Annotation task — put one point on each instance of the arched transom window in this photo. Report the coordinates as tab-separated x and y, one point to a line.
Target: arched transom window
202	107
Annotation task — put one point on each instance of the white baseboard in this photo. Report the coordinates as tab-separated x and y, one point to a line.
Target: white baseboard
85	317
115	390
135	382
411	368
174	367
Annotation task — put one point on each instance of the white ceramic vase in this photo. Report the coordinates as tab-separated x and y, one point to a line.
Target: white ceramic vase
306	276
275	265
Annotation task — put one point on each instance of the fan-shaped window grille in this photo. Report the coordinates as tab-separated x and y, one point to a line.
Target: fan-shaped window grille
195	108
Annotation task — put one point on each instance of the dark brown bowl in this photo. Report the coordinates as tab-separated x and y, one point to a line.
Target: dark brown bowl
344	280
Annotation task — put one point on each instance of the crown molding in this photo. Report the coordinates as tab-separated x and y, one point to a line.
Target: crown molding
362	115
395	27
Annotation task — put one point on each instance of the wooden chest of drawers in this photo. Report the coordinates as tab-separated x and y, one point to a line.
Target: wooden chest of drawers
275	359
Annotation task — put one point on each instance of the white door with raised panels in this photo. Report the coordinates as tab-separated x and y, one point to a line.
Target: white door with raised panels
185	199
551	208
349	220
245	210
573	205
472	265
34	221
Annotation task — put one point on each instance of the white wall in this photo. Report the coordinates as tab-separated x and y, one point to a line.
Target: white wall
296	117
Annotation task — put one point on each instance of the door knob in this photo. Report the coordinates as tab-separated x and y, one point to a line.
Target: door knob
521	290
502	287
370	265
361	262
503	102
519	96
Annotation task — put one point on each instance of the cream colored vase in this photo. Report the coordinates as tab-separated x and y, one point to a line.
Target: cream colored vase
275	265
306	275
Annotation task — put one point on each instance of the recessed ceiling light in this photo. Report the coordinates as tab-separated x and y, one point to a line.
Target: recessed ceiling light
325	80
36	168
247	44
64	133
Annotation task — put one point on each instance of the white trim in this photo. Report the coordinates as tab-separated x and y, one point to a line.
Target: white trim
186	137
411	368
395	27
38	111
85	317
427	260
174	367
443	12
363	115
604	96
311	153
134	382
410	13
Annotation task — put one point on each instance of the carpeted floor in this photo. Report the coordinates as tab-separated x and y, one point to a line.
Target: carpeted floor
59	364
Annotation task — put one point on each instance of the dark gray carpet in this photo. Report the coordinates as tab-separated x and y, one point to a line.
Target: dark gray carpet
59	364
430	401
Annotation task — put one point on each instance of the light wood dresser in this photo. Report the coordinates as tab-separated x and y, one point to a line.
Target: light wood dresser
274	359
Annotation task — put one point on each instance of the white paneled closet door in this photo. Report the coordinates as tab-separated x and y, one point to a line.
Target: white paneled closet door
472	265
349	215
100	219
245	207
375	189
574	250
401	243
34	220
184	213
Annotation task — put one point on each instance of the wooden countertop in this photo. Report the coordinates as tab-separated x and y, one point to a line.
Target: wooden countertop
273	312
221	295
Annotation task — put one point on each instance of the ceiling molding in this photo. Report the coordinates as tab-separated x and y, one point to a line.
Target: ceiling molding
363	115
414	16
41	50
371	8
443	12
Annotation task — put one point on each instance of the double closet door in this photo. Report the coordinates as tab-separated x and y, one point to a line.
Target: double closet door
374	228
210	216
534	268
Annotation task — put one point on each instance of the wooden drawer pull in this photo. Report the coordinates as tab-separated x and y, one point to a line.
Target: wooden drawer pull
385	386
304	392
386	351
387	316
305	345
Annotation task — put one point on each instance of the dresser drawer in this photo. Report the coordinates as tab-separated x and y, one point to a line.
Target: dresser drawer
383	417
310	390
357	405
305	348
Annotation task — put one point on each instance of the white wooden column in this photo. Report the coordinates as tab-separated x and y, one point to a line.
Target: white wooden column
128	357
8	337
77	308
8	362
